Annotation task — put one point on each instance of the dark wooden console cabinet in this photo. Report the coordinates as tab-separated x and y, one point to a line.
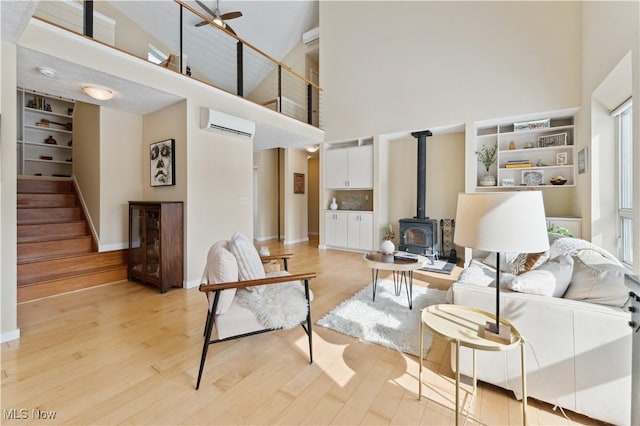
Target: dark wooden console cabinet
156	243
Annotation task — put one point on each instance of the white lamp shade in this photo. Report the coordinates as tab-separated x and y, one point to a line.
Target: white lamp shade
502	222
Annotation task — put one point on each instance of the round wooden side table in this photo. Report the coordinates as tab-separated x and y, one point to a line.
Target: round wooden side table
462	325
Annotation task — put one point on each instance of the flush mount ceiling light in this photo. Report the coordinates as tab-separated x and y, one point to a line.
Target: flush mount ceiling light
99	93
47	72
312	148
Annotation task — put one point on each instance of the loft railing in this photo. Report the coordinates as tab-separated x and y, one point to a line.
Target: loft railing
164	33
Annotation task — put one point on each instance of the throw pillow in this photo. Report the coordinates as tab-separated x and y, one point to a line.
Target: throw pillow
527	261
249	263
505	260
550	279
221	268
597	279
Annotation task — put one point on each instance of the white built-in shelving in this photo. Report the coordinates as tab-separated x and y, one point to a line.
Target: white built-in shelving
45	134
543	153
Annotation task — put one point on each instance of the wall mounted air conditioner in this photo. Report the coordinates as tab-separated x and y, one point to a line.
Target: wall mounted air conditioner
311	36
213	120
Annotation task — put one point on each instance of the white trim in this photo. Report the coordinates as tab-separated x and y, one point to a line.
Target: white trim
190	284
87	216
622	107
303	240
270	237
113	247
10	335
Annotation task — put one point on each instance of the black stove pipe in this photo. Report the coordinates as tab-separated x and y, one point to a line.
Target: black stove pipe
422	171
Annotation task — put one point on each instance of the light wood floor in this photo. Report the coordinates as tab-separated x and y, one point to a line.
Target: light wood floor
125	354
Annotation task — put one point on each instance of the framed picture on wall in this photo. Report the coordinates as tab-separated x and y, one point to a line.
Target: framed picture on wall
298	183
162	163
582	161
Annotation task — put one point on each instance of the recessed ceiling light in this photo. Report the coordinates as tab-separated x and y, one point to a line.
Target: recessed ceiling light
99	93
312	148
46	71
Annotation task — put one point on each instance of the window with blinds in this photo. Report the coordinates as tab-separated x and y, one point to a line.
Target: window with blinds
624	136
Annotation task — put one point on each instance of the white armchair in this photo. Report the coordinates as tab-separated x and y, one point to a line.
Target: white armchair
243	300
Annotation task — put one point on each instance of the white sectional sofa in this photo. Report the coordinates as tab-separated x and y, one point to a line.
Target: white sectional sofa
578	353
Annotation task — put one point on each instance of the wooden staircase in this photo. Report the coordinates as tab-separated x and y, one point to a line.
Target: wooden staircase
56	252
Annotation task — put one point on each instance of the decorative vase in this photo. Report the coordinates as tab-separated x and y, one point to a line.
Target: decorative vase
387	247
333	205
488	180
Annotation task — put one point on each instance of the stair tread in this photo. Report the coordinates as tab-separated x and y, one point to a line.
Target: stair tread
78	255
57	238
25	259
63	275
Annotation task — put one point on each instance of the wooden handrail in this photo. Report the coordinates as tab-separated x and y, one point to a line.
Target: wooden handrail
262	281
276	256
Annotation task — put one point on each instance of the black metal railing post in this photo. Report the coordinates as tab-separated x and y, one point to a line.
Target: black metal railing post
309	103
239	55
87	18
181	30
279	88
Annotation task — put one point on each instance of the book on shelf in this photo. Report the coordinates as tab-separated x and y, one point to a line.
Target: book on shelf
518	165
518	161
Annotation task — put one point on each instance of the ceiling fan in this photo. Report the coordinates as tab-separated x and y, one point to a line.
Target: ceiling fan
218	18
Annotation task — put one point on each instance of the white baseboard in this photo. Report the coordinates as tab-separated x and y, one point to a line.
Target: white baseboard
113	247
191	284
10	335
271	237
303	240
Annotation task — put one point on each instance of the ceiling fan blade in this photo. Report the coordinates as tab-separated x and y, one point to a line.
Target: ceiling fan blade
228	28
199	24
230	15
204	6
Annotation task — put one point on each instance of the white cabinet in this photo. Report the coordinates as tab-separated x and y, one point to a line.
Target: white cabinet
348	229
335	228
360	231
530	153
45	131
349	167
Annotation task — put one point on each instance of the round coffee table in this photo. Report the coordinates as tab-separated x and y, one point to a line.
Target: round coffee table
402	270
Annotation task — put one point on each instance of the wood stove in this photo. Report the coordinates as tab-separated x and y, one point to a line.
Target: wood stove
420	234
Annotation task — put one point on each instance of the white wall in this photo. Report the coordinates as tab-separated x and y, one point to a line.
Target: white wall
427	65
8	170
267	163
296	205
610	30
86	158
313	186
122	174
602	152
397	66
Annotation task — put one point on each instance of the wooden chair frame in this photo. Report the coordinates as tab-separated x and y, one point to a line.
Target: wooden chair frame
217	288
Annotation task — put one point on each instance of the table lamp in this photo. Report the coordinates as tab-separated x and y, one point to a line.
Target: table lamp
501	222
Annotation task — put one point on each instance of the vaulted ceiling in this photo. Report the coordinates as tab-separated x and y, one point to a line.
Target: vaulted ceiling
274	27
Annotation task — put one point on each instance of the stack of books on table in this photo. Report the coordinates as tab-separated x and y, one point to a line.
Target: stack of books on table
517	164
403	255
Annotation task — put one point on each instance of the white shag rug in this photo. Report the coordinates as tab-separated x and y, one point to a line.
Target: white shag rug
388	321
